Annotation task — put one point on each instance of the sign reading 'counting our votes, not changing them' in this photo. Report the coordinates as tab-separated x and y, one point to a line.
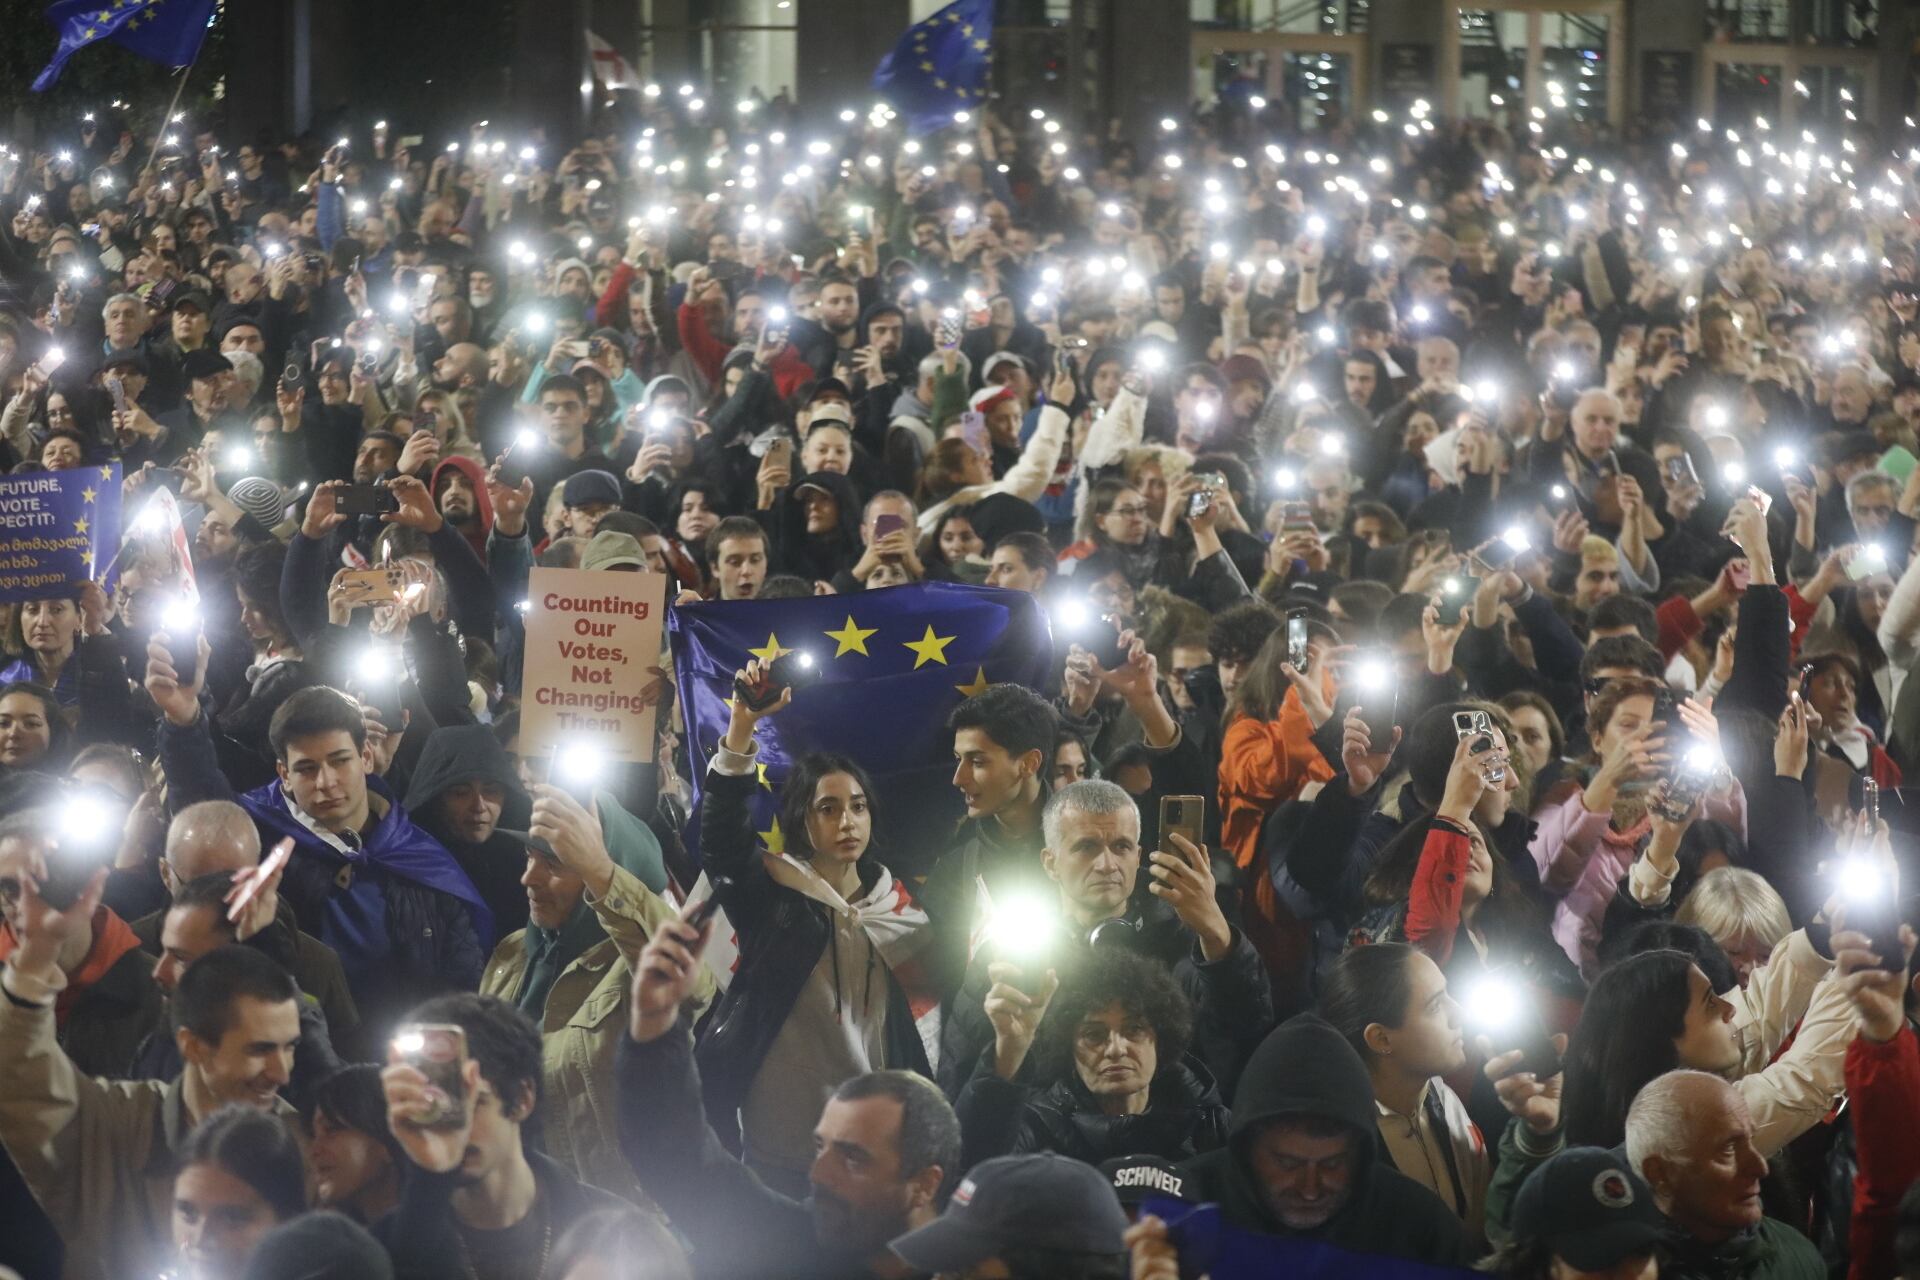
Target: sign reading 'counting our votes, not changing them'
592	674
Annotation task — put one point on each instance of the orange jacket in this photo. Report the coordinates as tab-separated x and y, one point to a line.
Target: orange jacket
1263	764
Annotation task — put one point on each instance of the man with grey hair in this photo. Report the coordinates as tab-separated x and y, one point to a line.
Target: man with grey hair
1870	504
1690	1136
1594	461
217	837
1092	854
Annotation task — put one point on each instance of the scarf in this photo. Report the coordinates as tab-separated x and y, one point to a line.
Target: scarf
550	951
1140	561
112	939
893	922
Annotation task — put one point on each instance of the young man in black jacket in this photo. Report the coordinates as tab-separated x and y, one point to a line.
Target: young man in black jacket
478	1203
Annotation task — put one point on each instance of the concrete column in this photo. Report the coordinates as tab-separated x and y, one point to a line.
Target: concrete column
266	68
1148	72
618	23
1897	30
550	65
1670	27
1397	30
839	45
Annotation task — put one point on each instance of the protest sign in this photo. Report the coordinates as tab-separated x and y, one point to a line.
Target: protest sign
57	529
593	674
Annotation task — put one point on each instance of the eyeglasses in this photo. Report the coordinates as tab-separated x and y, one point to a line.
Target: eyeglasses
1129	511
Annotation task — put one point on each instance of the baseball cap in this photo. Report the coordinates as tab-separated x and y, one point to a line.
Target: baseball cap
1039	1201
610	550
827	386
1137	1179
829	411
996	360
1589	1207
193	298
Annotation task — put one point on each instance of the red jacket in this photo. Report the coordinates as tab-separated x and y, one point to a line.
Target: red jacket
1439	886
1883	1082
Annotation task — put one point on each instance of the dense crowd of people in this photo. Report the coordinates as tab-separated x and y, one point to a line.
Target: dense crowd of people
1462	825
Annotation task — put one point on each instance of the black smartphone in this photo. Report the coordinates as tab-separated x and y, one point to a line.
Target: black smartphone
1376	692
705	909
1103	642
69	867
382	695
290	377
793	671
1679	470
365	500
1458	590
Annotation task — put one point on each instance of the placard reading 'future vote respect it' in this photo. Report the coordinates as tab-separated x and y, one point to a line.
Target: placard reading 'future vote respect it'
57	529
593	674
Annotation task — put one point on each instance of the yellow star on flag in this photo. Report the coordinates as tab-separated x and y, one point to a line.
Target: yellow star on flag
86	557
87	495
728	703
926	66
87	35
760	771
979	44
770	650
930	648
979	684
939	83
773	839
103	16
80	525
106	473
852	638
967	30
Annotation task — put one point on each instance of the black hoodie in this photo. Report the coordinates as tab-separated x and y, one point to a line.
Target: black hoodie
1306	1068
470	753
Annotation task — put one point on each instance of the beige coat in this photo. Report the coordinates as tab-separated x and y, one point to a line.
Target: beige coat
97	1154
584	1021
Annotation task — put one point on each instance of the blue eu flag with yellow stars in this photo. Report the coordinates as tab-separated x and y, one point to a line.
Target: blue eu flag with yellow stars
940	66
888	667
169	32
57	529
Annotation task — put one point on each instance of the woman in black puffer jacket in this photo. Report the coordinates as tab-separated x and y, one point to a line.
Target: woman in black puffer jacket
1110	1077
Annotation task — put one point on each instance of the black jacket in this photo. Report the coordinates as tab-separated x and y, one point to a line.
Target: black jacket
782	935
1306	1068
1232	1003
470	753
424	1242
740	1229
1184	1117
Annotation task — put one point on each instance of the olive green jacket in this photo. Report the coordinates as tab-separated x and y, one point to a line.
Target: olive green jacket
585	1019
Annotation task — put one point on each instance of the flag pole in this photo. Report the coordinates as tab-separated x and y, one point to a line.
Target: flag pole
167	118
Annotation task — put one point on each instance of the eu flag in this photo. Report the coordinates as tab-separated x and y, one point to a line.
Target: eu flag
940	66
890	666
169	32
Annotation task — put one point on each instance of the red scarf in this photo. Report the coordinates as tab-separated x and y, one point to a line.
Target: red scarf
112	939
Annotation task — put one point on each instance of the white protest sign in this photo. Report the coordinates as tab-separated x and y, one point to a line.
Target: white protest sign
592	675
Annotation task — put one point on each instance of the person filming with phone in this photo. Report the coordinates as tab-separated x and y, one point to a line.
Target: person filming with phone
1093	858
